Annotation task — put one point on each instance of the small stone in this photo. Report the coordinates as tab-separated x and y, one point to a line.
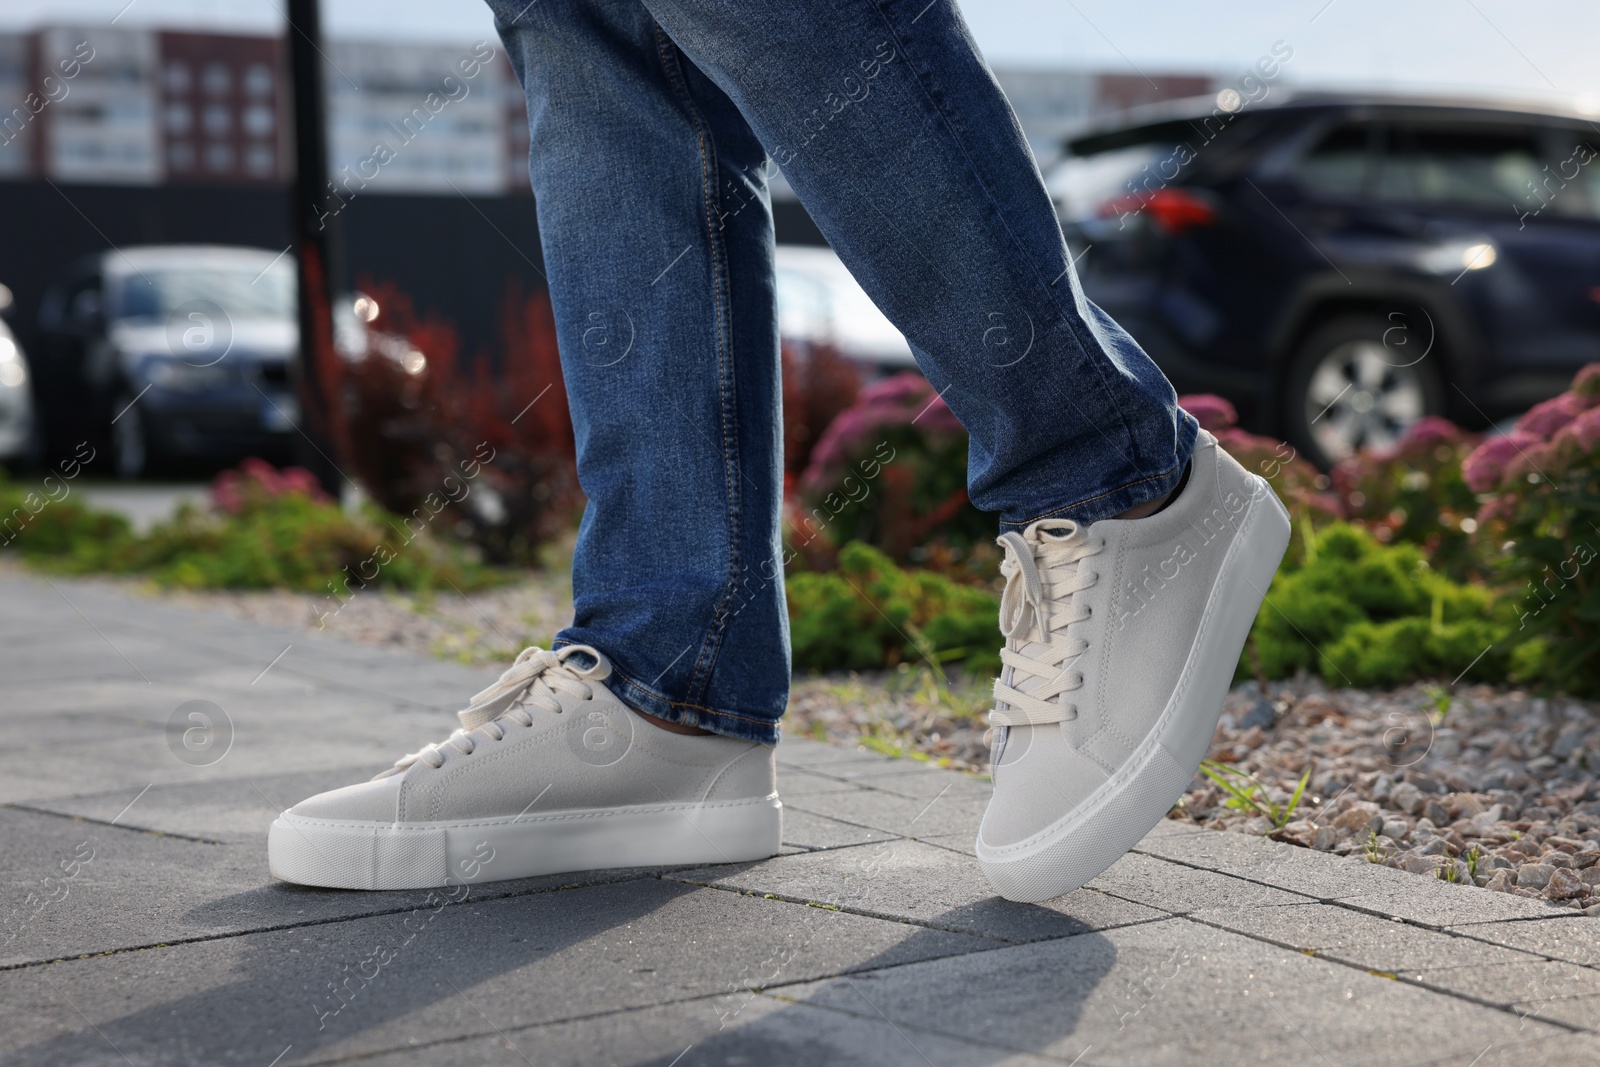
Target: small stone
1592	909
1418	863
1563	884
1382	789
1494	863
1557	859
1408	798
1534	875
1260	826
1590	876
1566	844
1585	858
1261	714
1456	871
1325	838
1394	829
1502	881
1359	821
1436	812
1434	846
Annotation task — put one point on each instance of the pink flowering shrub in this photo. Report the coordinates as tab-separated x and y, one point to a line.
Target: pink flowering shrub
1540	487
1415	492
890	471
256	482
1303	490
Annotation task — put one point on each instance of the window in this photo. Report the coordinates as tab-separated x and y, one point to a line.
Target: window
1464	166
1341	165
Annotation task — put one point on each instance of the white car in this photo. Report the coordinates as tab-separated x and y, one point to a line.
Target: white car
18	442
820	303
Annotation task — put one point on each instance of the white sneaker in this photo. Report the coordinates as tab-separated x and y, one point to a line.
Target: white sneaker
1121	640
549	772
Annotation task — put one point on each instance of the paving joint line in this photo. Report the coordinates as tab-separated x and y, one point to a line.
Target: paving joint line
21	806
280	927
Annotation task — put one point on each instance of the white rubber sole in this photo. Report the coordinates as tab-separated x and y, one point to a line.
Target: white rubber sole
350	854
1117	816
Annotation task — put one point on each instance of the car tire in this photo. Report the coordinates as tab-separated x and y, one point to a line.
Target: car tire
132	456
1347	387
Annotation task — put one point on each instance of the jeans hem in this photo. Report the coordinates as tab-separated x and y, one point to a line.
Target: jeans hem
642	698
1129	495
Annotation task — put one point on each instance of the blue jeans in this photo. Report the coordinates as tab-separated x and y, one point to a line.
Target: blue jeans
655	126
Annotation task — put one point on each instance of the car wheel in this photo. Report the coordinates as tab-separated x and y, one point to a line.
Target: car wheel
1347	389
130	440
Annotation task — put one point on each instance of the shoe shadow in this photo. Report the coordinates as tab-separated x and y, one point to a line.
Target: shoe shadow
972	1008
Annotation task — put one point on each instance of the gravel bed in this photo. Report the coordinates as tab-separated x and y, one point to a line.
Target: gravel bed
1491	786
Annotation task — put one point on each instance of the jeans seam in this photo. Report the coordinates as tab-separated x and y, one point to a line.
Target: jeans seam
934	100
705	661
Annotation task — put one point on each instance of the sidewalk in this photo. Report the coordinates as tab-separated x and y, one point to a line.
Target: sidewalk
138	924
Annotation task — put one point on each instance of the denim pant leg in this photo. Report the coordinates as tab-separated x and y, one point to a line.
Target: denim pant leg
890	127
657	236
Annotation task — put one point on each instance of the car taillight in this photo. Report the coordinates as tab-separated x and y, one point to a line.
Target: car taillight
1174	210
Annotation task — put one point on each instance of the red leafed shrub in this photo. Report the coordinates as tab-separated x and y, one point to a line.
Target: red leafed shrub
485	451
818	384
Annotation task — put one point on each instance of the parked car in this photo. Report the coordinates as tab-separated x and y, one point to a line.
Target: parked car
18	439
177	352
1339	266
821	303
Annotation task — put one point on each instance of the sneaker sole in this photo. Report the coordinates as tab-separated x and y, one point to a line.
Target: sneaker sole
1126	807
351	854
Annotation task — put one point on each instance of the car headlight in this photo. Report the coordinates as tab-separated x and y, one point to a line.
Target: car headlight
1459	256
180	376
13	372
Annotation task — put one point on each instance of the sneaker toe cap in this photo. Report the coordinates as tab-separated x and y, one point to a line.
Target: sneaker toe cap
375	801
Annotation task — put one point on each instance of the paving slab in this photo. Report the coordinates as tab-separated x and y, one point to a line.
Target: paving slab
906	816
1178	889
342	989
1572	938
917	882
1362	940
769	1030
1354	882
1174	992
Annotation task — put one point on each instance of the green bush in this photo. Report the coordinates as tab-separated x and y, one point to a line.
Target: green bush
268	531
1362	613
872	614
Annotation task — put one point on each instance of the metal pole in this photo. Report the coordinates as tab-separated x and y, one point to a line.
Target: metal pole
315	226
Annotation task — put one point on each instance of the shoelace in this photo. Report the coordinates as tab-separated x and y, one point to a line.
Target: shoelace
1042	570
536	678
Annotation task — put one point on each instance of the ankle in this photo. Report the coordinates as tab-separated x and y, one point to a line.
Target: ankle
672	727
1151	507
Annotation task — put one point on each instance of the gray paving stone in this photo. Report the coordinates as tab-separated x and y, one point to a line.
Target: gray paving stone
522	961
911	880
804	752
1368	886
906	816
768	1030
1527	982
1175	888
798	782
808	831
1562	1050
71	888
1572	938
1175	992
1361	940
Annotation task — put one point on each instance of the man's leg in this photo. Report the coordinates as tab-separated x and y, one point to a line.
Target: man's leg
657	237
1123	624
885	119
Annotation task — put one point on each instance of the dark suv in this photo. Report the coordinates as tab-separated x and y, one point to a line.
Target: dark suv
1339	266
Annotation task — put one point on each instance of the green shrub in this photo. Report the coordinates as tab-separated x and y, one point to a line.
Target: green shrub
1366	614
871	614
269	530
